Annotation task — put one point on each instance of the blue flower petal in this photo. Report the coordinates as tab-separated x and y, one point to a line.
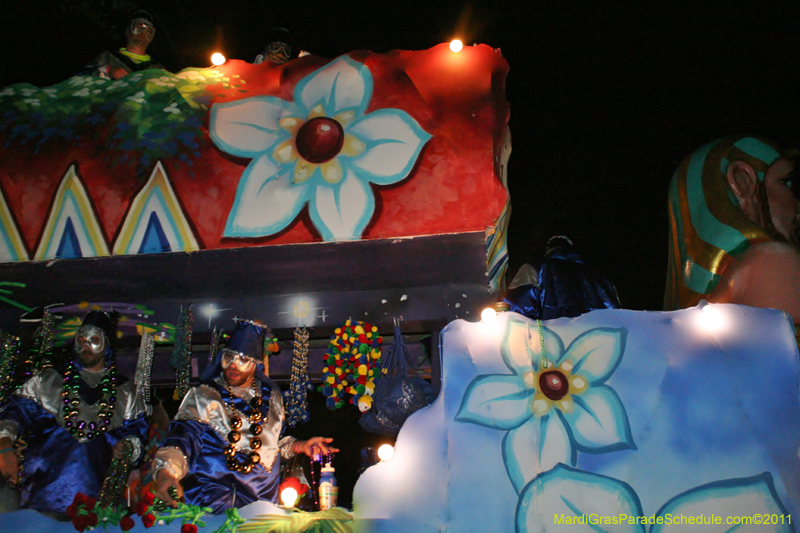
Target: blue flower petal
567	499
534	447
521	347
596	353
496	401
599	422
744	497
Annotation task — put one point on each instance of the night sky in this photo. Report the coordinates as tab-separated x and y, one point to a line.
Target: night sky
605	101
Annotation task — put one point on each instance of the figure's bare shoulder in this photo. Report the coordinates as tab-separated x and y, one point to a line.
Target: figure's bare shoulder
765	275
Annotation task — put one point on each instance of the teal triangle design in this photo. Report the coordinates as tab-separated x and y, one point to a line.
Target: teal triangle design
155	240
69	247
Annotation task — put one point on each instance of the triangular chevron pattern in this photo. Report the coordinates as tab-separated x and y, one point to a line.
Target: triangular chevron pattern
155	222
11	246
72	226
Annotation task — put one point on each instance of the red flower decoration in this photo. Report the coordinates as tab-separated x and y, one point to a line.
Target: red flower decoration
79	498
91	519
126	523
80	522
141	507
149	497
294	483
188	528
148	520
89	503
71	511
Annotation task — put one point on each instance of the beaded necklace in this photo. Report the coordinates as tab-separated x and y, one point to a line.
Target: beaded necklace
252	410
89	429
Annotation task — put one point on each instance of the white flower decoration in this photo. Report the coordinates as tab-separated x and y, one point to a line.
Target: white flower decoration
80	80
321	149
551	412
32	101
82	92
173	108
138	97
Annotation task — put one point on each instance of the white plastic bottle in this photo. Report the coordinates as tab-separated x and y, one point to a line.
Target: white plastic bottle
328	489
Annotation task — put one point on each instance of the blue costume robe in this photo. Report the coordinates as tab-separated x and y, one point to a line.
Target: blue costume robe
57	465
194	450
559	285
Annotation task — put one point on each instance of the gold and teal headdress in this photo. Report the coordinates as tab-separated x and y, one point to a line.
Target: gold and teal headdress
707	227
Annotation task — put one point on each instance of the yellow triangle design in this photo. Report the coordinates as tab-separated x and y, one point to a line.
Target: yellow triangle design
71	201
11	246
157	195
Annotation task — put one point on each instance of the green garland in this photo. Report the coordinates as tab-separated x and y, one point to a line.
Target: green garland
86	512
335	520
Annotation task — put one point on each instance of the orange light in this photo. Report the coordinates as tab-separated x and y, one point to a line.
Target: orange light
456	45
217	59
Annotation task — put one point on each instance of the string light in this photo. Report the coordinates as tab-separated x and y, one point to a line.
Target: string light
456	45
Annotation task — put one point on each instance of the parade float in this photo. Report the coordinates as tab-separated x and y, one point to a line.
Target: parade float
367	183
373	185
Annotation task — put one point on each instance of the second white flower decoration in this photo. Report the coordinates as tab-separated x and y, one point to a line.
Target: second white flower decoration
321	149
551	411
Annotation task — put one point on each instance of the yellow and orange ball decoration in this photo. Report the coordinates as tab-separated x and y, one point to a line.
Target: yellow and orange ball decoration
351	365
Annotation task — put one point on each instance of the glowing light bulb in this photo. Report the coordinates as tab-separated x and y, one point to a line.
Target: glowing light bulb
456	45
385	452
288	496
712	319
488	315
217	59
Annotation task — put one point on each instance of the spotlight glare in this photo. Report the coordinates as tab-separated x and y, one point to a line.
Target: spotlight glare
288	496
456	45
217	59
385	452
488	315
712	319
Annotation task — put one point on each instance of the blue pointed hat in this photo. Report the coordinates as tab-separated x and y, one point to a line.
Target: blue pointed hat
248	339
